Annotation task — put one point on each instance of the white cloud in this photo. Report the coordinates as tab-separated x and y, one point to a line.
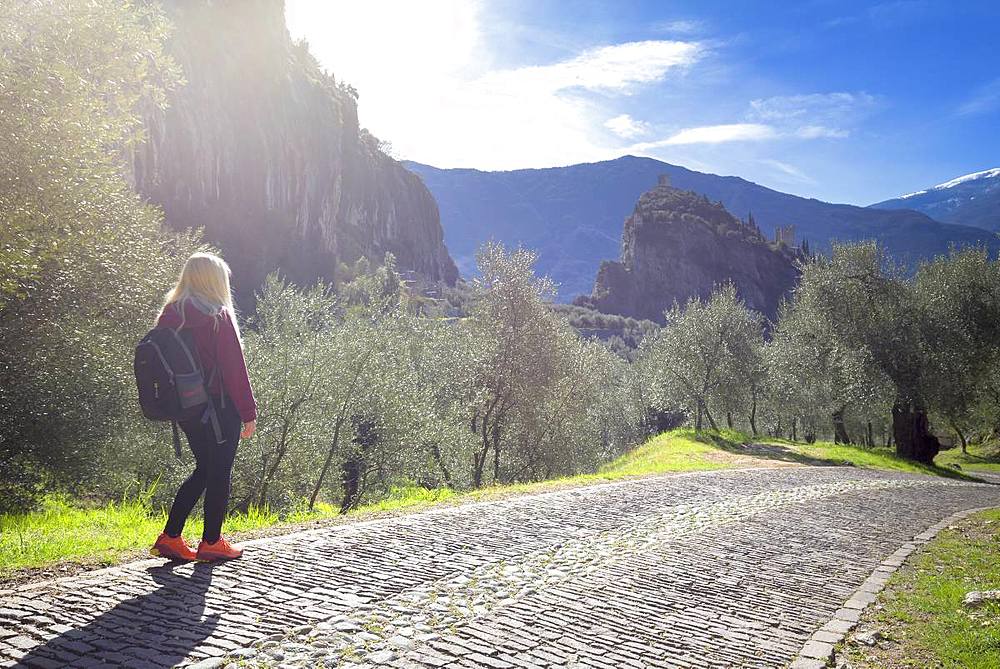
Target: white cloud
818	109
627	127
788	170
985	99
740	132
679	27
439	96
615	68
820	131
714	134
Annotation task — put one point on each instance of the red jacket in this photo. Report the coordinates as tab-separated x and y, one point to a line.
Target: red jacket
217	349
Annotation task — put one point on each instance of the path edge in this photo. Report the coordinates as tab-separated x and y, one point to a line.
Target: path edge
817	652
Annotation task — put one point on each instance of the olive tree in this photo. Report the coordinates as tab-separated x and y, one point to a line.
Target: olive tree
923	335
958	298
816	382
83	263
288	355
515	359
704	348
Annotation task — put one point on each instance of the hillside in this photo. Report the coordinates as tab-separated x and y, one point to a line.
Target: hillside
265	151
572	215
677	245
972	199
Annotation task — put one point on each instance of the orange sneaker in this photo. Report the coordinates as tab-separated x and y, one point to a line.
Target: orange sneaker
220	550
172	548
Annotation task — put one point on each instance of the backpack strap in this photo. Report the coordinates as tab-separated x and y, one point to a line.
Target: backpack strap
218	368
211	415
187	351
177	439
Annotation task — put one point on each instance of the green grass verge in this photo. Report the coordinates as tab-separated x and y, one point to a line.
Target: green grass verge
980	458
674	451
872	458
63	531
922	616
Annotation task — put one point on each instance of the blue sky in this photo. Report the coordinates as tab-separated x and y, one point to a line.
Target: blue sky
843	101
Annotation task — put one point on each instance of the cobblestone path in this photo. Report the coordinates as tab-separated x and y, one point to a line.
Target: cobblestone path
722	569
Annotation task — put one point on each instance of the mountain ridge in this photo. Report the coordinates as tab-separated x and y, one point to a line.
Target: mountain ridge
573	215
971	199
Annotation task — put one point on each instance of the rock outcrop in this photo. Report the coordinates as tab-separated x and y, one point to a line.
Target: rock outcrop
677	245
264	150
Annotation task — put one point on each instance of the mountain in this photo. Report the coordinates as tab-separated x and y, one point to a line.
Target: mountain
572	215
264	150
973	199
677	245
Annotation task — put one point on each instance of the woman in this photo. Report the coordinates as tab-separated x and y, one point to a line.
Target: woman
202	302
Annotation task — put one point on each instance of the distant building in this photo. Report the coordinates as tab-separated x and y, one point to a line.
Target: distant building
785	233
664	180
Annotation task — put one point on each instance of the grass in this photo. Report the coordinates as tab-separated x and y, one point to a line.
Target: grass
674	451
872	458
980	458
920	613
63	531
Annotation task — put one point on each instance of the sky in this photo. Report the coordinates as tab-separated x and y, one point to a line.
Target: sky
842	101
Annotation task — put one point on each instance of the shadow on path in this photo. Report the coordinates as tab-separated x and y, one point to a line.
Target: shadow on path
155	629
764	450
776	451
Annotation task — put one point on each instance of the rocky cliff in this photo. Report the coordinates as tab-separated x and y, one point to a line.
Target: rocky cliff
264	150
677	245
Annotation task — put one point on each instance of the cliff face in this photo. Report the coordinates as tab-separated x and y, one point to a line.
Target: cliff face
677	245
265	151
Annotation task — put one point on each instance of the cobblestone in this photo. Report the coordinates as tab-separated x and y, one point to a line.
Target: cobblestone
723	569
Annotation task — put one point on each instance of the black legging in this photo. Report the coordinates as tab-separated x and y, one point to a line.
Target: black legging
211	476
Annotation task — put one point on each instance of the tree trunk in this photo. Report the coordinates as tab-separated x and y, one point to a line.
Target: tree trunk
795	436
327	462
272	472
753	415
496	453
729	419
341	415
479	457
840	435
351	480
871	437
912	434
711	421
961	436
697	420
439	459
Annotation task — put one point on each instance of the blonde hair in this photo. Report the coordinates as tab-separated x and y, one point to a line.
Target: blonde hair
205	277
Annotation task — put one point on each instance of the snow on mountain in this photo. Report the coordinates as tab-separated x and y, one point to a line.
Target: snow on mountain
985	174
972	199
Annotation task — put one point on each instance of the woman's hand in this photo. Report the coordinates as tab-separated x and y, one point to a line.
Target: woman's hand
248	429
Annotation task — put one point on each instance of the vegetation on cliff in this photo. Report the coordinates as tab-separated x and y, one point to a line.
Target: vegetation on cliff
264	151
677	245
